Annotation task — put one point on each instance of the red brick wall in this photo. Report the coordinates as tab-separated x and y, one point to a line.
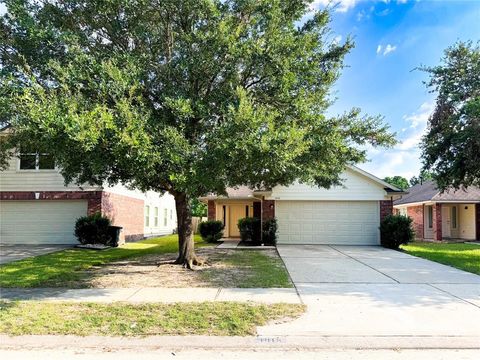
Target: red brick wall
477	220
126	212
437	222
268	209
416	213
94	198
386	208
211	213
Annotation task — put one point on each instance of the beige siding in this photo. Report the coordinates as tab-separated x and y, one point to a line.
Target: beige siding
13	179
164	204
466	216
355	187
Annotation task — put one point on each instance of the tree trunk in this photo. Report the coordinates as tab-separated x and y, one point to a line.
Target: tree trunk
186	251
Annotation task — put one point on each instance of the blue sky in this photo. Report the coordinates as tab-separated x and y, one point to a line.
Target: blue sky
393	38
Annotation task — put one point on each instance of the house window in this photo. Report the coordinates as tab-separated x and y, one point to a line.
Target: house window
155	219
147	216
34	160
171	214
165	220
454	217
246	210
430	216
403	211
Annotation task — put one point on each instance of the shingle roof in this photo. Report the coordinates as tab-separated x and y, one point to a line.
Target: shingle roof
429	192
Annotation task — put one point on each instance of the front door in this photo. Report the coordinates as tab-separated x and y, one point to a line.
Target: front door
446	222
236	213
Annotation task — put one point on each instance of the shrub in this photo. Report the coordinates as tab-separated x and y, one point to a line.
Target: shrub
93	229
211	231
270	232
396	230
249	229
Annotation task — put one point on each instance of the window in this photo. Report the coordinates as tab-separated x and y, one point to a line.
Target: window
430	216
147	215
171	214
34	160
403	211
155	219
165	220
454	217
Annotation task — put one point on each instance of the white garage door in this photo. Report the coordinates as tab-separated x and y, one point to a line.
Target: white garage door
328	222
40	222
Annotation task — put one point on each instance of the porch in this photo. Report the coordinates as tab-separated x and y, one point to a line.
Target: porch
451	221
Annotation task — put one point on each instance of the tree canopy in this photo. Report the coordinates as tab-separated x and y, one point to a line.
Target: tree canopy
421	178
398	181
188	97
451	147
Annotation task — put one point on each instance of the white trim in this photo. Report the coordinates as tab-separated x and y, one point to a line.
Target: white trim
376	179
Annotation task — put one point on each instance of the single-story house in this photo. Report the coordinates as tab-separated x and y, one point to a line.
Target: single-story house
37	208
453	214
349	214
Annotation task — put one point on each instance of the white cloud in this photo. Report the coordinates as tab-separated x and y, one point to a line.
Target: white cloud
337	39
403	159
387	49
340	5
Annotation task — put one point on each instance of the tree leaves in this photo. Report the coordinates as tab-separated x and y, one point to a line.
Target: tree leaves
451	147
187	97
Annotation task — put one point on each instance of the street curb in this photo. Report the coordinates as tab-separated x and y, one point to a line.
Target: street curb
238	343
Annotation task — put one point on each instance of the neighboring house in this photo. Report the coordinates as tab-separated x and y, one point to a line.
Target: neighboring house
37	208
348	214
453	214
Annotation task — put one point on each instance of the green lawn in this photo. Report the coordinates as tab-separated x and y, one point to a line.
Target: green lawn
462	256
122	319
65	266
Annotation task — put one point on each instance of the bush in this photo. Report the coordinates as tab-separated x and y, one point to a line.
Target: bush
249	229
93	229
270	232
211	231
396	230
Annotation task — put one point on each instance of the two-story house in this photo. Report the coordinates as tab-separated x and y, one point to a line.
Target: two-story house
37	208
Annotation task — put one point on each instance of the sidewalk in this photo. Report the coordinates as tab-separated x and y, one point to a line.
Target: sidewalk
154	295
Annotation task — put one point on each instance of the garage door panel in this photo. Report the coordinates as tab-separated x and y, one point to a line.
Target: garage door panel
40	222
329	222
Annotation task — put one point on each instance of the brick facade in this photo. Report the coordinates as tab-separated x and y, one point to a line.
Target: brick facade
437	222
268	209
126	212
211	213
416	214
386	208
94	198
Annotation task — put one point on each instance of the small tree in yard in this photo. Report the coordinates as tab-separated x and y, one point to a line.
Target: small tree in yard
186	97
396	230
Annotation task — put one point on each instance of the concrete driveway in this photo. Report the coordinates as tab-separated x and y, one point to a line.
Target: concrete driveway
9	253
372	291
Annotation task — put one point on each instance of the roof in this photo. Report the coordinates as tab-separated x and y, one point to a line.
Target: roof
244	192
428	192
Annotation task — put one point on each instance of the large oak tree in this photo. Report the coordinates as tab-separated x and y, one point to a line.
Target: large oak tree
186	97
451	147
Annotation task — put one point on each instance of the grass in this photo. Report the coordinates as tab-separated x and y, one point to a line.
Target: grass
122	319
461	256
60	268
257	270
